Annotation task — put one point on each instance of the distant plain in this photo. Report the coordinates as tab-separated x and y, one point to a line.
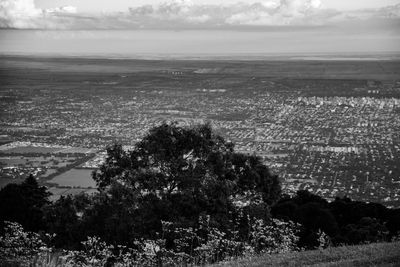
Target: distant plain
12	67
102	78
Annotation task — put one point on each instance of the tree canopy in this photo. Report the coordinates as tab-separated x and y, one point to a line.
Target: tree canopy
24	203
178	173
188	189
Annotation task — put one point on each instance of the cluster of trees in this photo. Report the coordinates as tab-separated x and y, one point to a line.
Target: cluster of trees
174	174
177	176
24	203
344	220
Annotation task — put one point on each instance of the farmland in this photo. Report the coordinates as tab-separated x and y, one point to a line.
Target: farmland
52	165
75	178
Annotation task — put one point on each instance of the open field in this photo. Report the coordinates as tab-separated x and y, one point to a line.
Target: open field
75	178
47	162
381	254
18	160
48	172
31	149
14	148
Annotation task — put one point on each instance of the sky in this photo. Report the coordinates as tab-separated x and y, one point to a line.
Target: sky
191	27
122	5
192	14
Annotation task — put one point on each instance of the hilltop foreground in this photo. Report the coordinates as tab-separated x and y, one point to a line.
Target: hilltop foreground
378	254
183	197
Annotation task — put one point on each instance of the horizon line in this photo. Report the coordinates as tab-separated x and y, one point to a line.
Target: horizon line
290	56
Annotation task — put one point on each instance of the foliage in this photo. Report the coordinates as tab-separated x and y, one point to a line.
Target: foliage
94	253
343	221
173	159
365	231
182	196
189	247
277	236
24	203
324	240
18	245
176	174
202	245
61	218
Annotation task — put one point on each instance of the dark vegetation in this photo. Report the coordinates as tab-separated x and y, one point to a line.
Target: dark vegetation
25	203
190	181
345	221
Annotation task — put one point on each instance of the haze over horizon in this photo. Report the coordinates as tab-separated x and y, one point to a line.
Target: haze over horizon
135	28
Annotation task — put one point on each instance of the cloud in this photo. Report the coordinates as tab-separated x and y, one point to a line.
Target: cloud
62	10
268	12
23	14
17	13
184	14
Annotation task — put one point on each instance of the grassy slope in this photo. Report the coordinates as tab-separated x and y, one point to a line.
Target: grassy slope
382	254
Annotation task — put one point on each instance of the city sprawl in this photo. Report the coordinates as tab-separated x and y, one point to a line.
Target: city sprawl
332	133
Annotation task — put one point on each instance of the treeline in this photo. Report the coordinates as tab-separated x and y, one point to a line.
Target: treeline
345	221
184	195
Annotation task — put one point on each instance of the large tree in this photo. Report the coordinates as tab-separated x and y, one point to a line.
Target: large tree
178	173
23	203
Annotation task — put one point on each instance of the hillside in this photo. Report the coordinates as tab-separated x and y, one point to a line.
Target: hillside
379	254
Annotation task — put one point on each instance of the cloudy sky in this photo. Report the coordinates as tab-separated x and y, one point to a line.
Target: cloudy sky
194	26
122	5
181	14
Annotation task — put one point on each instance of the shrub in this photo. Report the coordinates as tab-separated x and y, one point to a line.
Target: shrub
20	247
275	236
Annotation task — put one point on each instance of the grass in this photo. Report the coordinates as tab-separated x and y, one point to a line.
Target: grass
75	178
380	254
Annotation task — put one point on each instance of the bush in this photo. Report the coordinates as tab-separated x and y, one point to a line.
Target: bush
275	236
19	247
202	245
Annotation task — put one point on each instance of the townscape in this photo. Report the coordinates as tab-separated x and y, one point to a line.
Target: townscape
331	136
199	133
